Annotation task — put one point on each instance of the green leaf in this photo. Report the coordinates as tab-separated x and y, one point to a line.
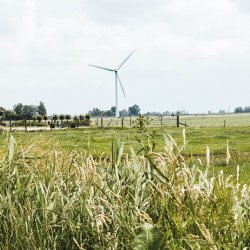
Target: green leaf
148	238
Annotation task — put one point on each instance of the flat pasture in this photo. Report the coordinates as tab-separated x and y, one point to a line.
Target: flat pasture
97	142
199	121
203	132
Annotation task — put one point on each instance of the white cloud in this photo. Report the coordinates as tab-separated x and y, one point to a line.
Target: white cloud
45	46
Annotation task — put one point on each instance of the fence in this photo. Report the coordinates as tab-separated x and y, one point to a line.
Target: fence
170	121
156	121
197	120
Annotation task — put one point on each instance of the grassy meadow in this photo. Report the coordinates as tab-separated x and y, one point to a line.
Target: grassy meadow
198	121
116	188
98	142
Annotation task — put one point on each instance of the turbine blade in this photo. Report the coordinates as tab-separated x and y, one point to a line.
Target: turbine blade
125	60
101	67
121	85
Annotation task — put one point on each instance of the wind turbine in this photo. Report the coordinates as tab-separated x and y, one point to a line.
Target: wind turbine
117	79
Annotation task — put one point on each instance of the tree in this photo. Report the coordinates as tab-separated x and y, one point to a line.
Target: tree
41	109
67	117
81	117
108	113
95	112
34	118
134	110
18	108
247	109
113	110
75	118
45	118
39	118
2	111
55	118
238	110
29	111
87	117
9	115
61	118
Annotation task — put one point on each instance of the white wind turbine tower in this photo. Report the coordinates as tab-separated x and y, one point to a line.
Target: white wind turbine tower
117	78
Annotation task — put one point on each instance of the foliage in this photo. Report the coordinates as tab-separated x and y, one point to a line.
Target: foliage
27	111
41	109
9	115
87	116
18	108
2	110
242	110
39	118
55	117
67	117
141	123
134	110
95	112
81	117
56	200
238	110
75	118
30	123
61	118
149	238
108	113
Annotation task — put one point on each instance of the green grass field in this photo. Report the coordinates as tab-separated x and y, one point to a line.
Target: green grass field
98	141
198	121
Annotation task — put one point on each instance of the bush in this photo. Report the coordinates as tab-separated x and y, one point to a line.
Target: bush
87	116
21	123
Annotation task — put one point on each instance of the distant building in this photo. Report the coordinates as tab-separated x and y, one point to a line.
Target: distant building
222	112
124	112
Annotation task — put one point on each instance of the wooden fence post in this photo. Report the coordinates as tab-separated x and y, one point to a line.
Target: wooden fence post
122	122
25	124
225	123
10	126
178	121
101	122
130	122
161	120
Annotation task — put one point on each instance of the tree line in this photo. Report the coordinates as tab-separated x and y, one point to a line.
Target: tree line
21	112
34	115
132	111
242	110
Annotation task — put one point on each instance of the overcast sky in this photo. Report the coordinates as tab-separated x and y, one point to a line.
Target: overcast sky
191	55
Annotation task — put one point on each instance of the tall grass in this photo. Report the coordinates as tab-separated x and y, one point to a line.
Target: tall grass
53	200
